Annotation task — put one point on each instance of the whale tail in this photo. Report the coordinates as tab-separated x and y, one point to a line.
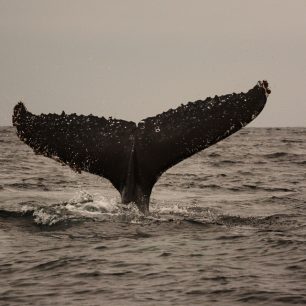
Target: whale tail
132	156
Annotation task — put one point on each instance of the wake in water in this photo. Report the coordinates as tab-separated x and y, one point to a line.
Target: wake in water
97	208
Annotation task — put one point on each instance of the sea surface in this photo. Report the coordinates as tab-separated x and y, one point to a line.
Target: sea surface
227	227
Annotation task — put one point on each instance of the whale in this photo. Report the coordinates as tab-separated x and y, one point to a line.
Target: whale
133	156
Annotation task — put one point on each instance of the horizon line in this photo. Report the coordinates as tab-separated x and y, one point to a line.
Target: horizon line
246	127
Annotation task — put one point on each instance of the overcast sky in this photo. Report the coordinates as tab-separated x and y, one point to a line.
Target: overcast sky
133	59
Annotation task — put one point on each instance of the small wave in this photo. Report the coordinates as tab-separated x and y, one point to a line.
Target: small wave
300	162
199	184
278	220
276	155
28	186
291	299
211	186
229	161
52	264
281	154
214	154
226	162
180	175
265	188
195	184
292	141
15	214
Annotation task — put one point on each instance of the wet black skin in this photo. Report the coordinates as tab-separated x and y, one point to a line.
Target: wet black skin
132	156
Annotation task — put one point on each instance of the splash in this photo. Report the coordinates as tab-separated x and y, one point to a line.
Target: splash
83	206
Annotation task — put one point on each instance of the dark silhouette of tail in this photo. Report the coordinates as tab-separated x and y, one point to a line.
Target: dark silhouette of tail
132	156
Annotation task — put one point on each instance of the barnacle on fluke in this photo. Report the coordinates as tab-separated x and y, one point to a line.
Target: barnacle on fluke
134	157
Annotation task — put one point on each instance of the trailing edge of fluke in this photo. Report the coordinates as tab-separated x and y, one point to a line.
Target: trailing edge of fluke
132	156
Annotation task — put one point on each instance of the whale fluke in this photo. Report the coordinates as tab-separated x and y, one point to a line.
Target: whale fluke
132	156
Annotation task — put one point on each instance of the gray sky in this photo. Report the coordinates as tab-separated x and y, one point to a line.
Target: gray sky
133	59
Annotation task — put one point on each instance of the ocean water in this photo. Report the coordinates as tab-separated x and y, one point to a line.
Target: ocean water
227	227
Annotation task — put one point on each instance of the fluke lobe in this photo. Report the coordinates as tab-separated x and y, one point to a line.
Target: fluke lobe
132	156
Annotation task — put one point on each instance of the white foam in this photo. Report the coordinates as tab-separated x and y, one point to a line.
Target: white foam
45	218
91	204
